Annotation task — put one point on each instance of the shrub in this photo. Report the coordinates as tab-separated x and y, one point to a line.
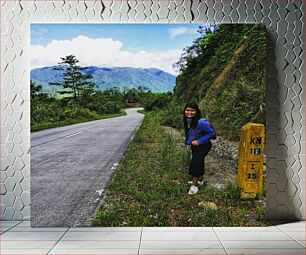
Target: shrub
157	101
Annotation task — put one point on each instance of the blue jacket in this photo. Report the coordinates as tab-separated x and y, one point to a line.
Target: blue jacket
204	132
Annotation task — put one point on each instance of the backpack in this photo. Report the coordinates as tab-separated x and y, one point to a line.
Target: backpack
214	137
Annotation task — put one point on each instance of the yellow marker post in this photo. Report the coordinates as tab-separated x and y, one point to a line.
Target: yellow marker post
251	160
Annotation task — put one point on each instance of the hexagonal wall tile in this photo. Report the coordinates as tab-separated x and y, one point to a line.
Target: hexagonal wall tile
49	6
272	189
140	7
172	14
4	165
297	200
25	184
155	7
163	13
9	199
115	16
131	15
18	177
272	175
19	164
26	213
291	189
115	5
17	139
18	190
290	140
17	215
3	190
25	197
9	184
17	150
8	213
140	17
26	159
73	13
281	197
26	172
218	6
271	202
18	204
210	3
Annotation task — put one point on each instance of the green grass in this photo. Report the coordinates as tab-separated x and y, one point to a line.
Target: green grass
141	111
46	125
150	188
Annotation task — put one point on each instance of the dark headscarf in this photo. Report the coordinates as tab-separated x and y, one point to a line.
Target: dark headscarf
194	120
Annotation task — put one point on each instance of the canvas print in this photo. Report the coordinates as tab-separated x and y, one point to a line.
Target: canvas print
156	125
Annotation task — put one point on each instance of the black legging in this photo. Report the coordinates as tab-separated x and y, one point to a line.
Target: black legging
197	167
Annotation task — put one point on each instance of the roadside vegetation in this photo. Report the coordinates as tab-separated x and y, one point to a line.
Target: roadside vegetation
48	112
150	188
224	71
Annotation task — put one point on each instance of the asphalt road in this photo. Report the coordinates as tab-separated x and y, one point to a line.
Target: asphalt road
70	166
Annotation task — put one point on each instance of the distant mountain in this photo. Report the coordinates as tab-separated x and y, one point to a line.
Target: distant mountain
152	78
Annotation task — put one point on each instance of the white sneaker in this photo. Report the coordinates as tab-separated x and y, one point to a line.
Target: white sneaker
193	190
200	183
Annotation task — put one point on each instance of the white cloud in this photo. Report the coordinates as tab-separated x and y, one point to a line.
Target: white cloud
174	32
177	31
101	52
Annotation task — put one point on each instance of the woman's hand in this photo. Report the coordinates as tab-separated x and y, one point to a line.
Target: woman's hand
195	143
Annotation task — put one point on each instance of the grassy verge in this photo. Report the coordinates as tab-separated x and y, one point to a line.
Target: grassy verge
46	125
150	188
141	111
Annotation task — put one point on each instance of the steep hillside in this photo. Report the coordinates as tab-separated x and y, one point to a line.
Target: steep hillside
227	77
154	79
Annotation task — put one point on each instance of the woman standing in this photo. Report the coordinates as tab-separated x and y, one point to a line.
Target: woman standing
198	134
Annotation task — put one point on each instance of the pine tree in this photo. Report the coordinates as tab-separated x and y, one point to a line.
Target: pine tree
75	83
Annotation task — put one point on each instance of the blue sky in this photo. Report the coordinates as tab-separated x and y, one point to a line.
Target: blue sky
150	45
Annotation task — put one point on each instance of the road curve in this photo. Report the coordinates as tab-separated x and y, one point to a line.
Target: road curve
71	165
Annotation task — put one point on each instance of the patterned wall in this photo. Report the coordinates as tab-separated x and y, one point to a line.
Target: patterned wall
285	148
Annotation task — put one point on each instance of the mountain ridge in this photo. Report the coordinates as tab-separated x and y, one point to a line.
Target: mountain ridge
153	79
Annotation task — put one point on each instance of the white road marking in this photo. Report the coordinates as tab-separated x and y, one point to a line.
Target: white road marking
114	166
100	192
136	130
74	134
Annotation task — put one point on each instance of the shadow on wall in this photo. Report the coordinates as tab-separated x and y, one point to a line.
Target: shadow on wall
283	166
